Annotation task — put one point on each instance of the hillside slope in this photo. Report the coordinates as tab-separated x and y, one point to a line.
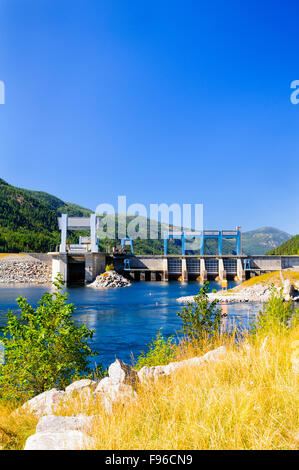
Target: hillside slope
59	206
28	223
290	247
28	219
260	241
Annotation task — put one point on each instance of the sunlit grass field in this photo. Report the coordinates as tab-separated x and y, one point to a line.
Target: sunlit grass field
247	400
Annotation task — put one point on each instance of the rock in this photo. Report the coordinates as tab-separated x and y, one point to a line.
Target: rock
24	269
153	373
119	372
109	279
288	290
104	385
111	392
45	403
61	424
69	440
81	384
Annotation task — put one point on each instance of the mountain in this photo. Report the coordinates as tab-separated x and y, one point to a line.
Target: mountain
28	222
59	206
290	247
260	241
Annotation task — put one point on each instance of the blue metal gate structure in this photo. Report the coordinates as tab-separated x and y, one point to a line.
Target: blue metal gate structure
219	235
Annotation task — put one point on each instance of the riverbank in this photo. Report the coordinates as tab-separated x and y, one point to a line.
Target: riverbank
23	269
245	400
257	289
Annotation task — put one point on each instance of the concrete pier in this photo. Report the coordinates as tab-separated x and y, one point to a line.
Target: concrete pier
222	272
240	271
203	271
184	270
164	269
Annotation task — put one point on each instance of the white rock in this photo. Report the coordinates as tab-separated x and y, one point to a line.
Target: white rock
156	372
61	424
80	384
110	279
45	403
111	392
69	440
119	372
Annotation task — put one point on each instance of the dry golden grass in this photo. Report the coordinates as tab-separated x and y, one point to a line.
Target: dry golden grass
249	400
269	279
15	428
4	255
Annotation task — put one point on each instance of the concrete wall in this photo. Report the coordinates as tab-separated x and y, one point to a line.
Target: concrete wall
151	263
95	263
59	265
290	262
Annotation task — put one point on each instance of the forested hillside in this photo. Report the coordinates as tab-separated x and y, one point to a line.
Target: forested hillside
28	223
28	219
290	247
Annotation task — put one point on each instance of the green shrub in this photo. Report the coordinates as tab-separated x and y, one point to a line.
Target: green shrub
202	318
275	315
109	267
43	347
160	351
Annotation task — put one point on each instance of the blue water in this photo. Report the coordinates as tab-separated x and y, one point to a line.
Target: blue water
126	319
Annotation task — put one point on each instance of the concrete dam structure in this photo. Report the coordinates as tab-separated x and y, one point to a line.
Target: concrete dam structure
85	267
83	262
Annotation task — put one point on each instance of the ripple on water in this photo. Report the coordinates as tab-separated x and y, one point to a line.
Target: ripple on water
126	319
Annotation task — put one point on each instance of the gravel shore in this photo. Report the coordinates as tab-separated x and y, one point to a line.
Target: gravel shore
23	270
256	293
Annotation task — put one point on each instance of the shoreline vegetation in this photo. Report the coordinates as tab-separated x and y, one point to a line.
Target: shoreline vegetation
245	399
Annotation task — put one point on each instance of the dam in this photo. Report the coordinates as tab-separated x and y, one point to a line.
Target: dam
82	262
84	267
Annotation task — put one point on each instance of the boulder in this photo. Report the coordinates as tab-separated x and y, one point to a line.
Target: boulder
80	385
111	392
288	290
45	403
68	440
62	424
156	372
119	372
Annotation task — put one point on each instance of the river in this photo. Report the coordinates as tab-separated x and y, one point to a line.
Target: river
126	319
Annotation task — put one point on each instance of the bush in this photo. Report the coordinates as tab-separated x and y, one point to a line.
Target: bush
275	315
43	347
161	351
202	318
109	267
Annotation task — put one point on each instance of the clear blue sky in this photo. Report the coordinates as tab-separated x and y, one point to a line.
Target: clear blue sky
163	101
